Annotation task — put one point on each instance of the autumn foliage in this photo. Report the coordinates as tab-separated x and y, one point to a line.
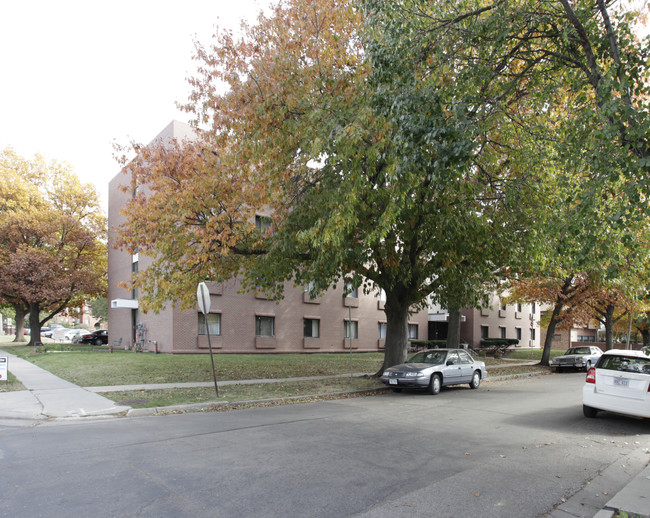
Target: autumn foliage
52	239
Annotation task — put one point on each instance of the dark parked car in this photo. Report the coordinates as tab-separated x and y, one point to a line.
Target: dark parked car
96	337
434	369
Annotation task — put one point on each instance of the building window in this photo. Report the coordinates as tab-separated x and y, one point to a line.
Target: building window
382	295
262	224
519	307
485	332
264	326
351	329
503	306
532	308
214	324
518	333
532	333
351	291
382	330
502	332
312	328
413	331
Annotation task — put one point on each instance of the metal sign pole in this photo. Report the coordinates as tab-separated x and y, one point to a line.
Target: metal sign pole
203	295
350	333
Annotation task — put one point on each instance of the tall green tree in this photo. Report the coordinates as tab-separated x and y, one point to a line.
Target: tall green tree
574	74
366	174
52	239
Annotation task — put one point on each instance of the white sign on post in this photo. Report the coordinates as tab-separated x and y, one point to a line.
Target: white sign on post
3	368
203	298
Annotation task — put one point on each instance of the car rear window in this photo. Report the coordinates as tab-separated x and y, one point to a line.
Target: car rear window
624	363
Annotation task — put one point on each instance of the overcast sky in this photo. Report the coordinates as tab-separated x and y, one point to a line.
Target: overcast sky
78	75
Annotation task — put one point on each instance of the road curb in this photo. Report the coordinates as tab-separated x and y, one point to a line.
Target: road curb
216	405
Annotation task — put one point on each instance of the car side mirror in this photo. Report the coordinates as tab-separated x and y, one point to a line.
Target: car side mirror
450	362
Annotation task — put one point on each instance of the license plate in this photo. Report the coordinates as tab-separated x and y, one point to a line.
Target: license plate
621	382
392	382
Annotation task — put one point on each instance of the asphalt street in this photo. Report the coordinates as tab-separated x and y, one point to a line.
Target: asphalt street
509	449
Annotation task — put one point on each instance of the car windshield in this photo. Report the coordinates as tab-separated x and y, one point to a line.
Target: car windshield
433	357
579	350
625	364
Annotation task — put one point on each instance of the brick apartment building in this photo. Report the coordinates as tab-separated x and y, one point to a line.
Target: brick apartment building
518	321
241	323
249	323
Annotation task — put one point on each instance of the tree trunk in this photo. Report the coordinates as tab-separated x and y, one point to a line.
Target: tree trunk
453	329
645	336
609	327
34	324
397	313
21	312
550	331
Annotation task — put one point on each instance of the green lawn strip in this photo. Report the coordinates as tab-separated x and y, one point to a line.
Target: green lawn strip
11	384
516	369
235	393
531	354
99	367
95	366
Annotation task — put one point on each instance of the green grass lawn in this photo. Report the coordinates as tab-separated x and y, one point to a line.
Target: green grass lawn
237	393
96	366
11	384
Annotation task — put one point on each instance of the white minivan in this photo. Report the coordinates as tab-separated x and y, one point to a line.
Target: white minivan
619	382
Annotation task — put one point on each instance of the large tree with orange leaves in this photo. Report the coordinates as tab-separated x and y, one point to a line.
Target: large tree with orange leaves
52	239
367	178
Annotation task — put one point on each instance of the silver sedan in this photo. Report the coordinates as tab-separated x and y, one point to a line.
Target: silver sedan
434	369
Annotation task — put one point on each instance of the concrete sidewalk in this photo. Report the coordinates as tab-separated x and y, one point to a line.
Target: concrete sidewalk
48	397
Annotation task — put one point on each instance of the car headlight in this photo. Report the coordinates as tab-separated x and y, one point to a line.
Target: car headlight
414	375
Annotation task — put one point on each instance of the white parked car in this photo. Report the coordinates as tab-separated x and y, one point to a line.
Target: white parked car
581	357
620	382
74	335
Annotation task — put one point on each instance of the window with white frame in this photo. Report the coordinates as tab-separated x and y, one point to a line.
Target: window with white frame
351	329
413	331
502	332
312	328
350	290
532	333
518	333
264	326
213	324
382	330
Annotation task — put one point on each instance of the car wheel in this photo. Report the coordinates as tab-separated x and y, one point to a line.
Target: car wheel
559	369
589	411
98	341
476	380
435	384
